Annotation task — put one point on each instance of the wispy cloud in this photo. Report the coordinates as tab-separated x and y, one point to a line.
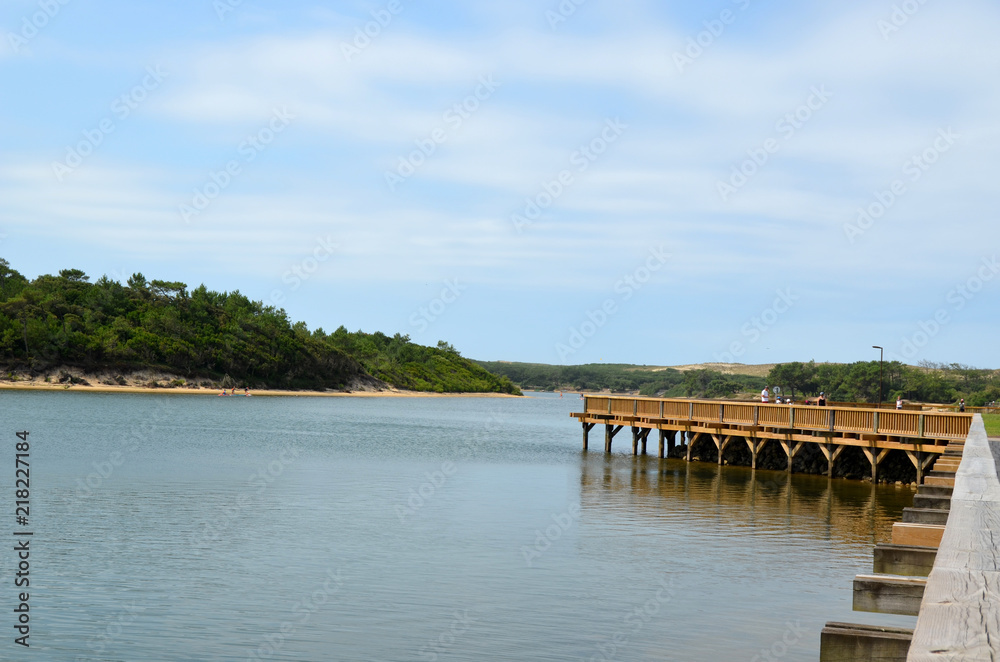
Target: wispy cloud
687	131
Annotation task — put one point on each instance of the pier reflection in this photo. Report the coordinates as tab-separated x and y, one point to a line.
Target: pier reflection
740	498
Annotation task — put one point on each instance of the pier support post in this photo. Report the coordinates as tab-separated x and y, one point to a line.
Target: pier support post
609	433
670	440
690	444
587	427
921	461
639	436
791	450
831	452
663	436
875	457
755	447
720	443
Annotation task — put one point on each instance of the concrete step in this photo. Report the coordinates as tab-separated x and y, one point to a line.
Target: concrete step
889	594
889	559
919	535
940	481
925	516
934	502
848	642
935	490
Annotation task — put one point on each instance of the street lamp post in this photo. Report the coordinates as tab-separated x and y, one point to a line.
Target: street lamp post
879	373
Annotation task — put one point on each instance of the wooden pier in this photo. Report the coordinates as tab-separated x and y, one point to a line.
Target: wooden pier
923	436
943	566
960	612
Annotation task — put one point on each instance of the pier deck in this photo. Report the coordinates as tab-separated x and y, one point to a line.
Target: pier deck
960	612
923	436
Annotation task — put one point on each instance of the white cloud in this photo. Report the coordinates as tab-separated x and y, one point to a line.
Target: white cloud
657	183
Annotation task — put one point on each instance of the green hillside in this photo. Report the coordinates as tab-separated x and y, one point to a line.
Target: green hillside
842	382
66	320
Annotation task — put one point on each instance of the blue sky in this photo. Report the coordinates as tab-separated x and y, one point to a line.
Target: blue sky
561	182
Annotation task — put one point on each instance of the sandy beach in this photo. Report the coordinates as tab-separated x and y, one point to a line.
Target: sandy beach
103	388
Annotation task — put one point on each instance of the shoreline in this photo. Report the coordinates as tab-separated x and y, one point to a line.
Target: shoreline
183	390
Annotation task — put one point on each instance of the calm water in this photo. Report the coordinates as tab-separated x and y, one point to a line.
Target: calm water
205	528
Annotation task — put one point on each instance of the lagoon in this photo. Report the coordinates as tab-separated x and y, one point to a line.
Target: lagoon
185	527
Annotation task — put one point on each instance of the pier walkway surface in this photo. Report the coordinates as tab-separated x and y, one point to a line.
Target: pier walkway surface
943	566
959	615
923	436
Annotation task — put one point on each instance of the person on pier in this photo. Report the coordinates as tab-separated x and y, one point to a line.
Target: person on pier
821	400
764	396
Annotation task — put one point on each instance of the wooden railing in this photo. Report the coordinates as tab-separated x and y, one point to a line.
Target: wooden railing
914	424
972	410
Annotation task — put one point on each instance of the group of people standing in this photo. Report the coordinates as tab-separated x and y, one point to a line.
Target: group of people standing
765	398
821	400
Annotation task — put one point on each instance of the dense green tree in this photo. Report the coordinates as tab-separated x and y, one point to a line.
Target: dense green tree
68	320
794	376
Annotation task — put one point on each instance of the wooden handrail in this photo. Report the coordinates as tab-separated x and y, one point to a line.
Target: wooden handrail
901	423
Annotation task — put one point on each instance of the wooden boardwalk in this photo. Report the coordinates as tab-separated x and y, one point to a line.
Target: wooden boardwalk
943	565
960	612
923	436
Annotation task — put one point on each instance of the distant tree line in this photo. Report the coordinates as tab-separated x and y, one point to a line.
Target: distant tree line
859	382
66	320
853	382
621	378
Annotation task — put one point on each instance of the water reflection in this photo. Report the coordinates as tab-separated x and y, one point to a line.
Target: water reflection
820	507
